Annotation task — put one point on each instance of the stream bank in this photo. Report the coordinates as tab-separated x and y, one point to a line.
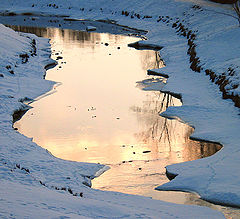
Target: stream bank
139	163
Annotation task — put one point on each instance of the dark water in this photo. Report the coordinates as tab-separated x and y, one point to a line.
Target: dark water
103	26
101	114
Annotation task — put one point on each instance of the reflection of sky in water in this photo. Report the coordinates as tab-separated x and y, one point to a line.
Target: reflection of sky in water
98	114
95	114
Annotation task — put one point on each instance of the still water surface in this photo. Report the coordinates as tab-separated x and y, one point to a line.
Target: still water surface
100	114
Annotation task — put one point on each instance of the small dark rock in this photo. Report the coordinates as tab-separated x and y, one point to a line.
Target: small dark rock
146	152
59	57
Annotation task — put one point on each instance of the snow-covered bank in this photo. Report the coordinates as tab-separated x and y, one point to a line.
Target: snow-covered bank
34	184
216	44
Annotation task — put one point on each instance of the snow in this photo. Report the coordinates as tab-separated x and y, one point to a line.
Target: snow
91	28
38	179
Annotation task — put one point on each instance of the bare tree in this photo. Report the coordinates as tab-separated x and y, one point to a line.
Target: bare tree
236	7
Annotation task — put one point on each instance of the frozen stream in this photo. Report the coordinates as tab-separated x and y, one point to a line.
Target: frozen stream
100	114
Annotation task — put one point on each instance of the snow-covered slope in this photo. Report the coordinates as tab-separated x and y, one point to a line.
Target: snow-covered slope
201	52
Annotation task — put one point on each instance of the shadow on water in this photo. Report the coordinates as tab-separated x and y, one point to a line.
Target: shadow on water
103	117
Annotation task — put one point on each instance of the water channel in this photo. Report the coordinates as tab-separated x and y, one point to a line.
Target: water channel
101	114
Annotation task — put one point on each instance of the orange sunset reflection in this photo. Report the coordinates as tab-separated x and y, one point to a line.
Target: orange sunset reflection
100	114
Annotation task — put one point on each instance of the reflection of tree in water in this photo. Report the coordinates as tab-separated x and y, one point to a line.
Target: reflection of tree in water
151	60
65	34
77	36
38	31
68	35
167	135
158	128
